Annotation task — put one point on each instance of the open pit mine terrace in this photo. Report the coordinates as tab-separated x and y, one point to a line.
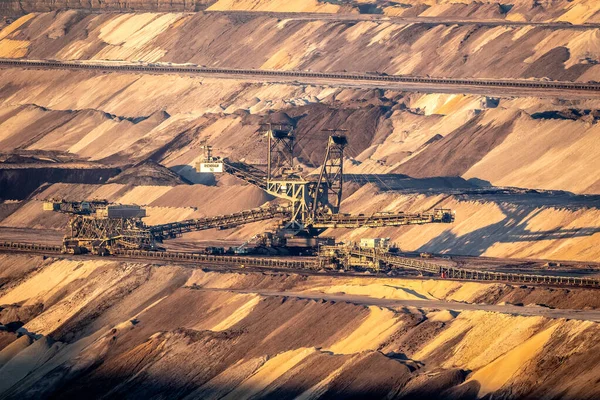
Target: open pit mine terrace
368	259
308	205
98	228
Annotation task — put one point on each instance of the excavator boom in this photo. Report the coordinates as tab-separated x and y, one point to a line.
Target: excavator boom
174	229
247	173
383	219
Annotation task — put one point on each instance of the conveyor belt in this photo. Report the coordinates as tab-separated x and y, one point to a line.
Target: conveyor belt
241	261
450	272
247	173
355	77
393	261
30	247
175	229
383	220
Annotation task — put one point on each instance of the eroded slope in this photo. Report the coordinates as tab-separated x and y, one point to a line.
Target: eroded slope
129	330
571	11
267	42
127	118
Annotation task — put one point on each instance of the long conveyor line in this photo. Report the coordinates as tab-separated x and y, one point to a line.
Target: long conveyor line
383	220
31	247
274	262
355	77
393	261
451	272
174	229
218	259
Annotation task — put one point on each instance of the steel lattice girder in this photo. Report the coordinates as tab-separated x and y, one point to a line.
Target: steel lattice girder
222	221
108	232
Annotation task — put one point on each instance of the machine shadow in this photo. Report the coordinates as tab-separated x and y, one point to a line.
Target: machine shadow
511	229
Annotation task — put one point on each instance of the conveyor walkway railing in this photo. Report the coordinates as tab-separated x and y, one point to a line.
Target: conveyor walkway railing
344	255
450	272
210	259
347	76
242	261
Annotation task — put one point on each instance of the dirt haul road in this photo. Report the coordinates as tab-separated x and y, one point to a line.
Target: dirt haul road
525	311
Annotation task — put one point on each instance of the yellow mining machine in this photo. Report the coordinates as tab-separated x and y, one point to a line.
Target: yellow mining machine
97	226
313	201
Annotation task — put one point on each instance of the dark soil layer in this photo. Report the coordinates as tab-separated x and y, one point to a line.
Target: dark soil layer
18	7
148	173
18	183
471	141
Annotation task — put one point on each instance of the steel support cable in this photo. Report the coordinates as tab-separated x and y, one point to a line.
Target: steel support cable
375	175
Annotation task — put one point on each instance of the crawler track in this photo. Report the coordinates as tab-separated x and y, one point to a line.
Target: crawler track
354	78
313	264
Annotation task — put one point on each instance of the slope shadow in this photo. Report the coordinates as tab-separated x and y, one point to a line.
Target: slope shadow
511	229
190	174
404	182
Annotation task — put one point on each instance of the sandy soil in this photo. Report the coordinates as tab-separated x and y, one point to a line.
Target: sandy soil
571	11
75	327
492	226
542	226
133	330
521	142
268	42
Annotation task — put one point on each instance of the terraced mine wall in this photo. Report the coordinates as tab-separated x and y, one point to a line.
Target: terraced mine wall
132	330
16	183
220	40
519	11
495	226
513	142
19	7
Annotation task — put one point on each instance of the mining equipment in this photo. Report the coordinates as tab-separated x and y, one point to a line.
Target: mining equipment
352	256
378	257
313	200
308	203
209	163
375	243
97	226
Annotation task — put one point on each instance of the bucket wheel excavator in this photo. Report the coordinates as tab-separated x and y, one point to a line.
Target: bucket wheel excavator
312	201
308	204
